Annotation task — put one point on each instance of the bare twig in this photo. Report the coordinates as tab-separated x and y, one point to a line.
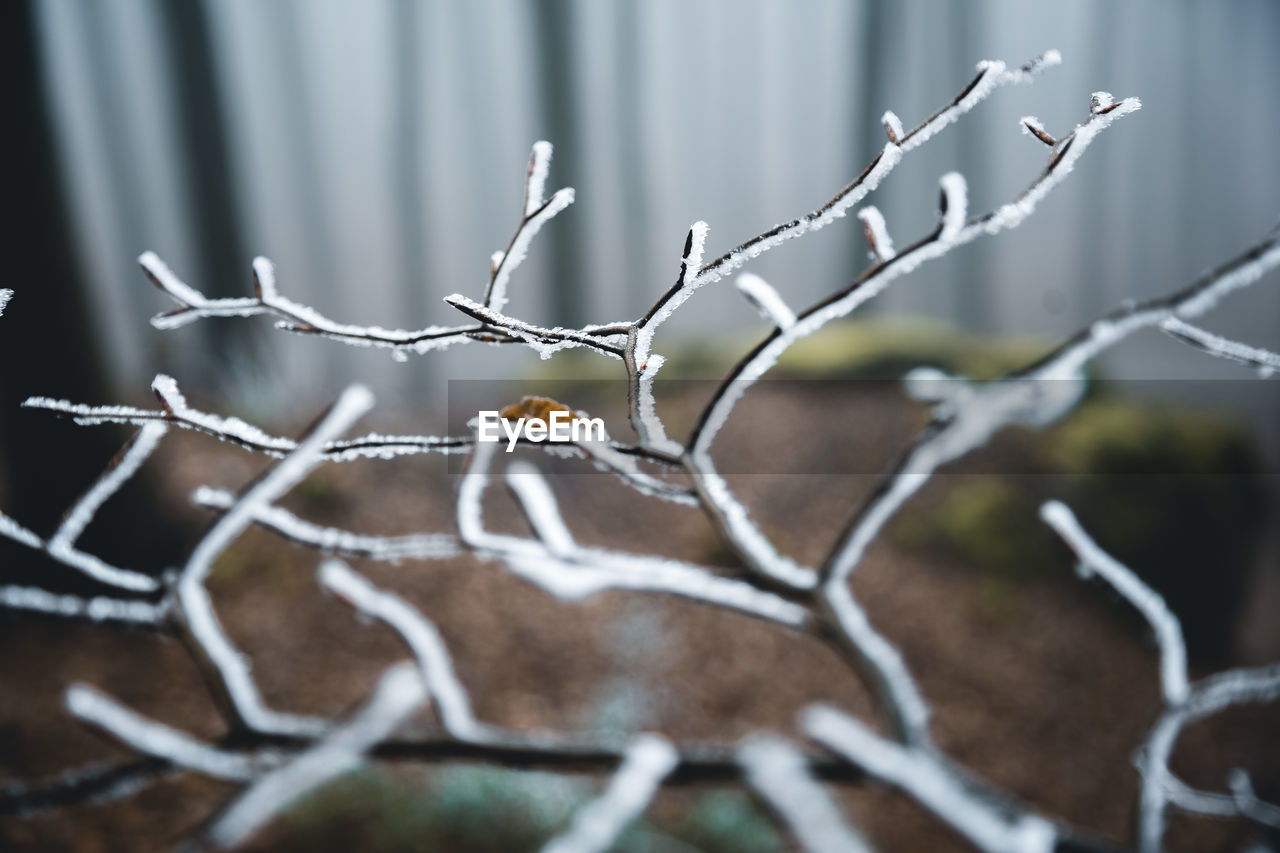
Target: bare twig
648	760
227	668
398	694
778	772
142	614
586	571
420	546
1205	698
1173	651
922	774
61	546
1265	361
160	741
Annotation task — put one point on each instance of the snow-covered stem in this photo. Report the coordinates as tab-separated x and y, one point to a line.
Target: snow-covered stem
991	76
86	564
535	185
535	212
954	208
597	825
766	300
877	233
422	638
1173	650
294	316
228	669
156	739
397	695
143	614
587	571
496	294
1183	703
731	516
1035	395
1032	126
734	523
540	508
892	126
121	469
1205	698
1247	802
176	411
879	663
61	546
545	341
1266	362
642	407
419	546
1241	802
923	775
616	457
779	773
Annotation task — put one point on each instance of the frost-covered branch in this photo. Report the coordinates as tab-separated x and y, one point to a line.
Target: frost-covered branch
143	614
420	546
615	457
535	213
1182	702
1159	786
282	756
296	317
422	638
1036	395
544	341
780	775
1266	362
158	740
1247	802
879	663
61	546
766	300
755	549
176	411
924	776
1173	651
877	233
596	826
397	695
991	76
228	668
587	571
693	274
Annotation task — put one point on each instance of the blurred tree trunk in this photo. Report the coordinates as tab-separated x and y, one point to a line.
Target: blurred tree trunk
222	265
408	153
628	54
47	341
553	46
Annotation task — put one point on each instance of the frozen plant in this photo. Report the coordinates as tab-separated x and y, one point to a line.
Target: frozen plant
276	756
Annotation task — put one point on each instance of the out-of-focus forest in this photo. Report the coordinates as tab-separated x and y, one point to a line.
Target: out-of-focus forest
374	151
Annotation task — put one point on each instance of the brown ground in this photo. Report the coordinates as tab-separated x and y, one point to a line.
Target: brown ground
1040	684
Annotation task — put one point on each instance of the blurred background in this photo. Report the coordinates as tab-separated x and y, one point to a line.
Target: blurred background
375	150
